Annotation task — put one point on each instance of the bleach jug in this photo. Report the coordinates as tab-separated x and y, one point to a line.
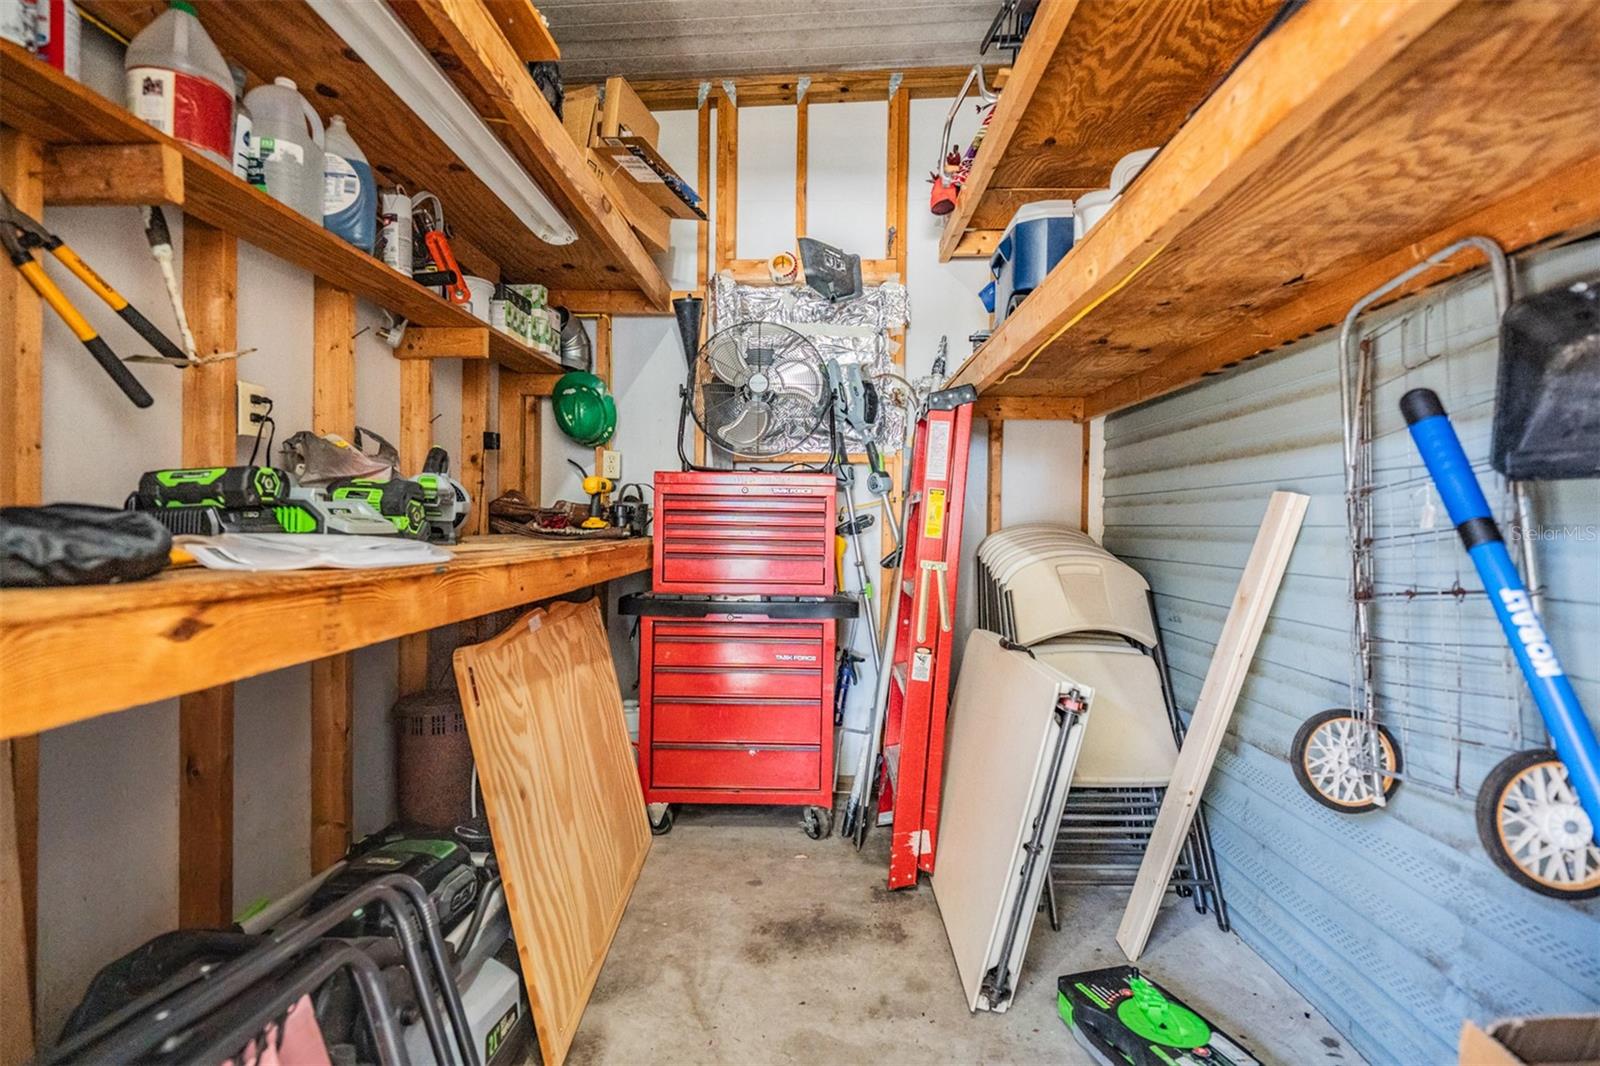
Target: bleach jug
349	194
288	137
178	82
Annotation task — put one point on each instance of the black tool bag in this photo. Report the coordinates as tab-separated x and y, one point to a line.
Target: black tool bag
1547	398
78	544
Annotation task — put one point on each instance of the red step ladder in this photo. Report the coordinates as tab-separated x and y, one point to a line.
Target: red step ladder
919	687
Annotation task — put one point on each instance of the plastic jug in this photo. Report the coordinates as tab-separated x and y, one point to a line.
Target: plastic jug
349	193
289	141
178	82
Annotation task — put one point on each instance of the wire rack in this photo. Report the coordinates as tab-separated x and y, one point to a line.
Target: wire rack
1443	679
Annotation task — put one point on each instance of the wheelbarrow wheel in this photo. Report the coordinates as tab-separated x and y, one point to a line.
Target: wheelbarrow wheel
817	822
660	824
1326	755
1534	829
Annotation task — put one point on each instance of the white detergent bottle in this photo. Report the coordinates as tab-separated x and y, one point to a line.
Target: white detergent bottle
289	140
349	193
178	82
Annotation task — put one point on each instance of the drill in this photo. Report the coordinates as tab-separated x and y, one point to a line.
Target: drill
598	488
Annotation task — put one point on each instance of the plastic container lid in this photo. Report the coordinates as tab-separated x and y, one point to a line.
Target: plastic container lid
1041	209
1129	166
1098	198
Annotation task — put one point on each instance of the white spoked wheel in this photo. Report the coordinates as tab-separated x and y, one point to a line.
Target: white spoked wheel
1331	755
1534	829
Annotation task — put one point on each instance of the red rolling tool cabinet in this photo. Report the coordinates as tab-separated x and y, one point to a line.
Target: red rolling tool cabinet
736	700
744	533
737	643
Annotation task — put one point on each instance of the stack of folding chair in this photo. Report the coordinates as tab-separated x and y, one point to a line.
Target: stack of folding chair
1080	609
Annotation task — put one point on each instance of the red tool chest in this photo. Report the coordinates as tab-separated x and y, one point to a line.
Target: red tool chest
736	699
744	533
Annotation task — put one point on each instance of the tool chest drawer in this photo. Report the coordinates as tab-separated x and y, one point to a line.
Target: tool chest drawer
736	708
744	533
728	683
736	722
770	646
768	769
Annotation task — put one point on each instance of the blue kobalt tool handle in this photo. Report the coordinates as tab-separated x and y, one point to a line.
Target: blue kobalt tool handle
1458	486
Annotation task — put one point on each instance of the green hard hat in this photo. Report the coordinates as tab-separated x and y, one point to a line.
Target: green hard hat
585	409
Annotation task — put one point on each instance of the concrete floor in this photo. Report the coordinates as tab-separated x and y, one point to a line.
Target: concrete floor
746	942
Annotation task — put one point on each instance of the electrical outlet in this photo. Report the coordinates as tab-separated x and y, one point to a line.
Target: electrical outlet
611	464
249	410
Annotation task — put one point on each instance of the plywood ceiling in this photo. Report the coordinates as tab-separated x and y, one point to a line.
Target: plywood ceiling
705	38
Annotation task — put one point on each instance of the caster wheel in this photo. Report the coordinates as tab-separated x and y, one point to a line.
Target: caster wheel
660	824
1327	755
817	822
1534	829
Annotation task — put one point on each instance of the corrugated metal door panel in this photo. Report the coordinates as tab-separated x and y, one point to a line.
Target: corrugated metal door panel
1394	923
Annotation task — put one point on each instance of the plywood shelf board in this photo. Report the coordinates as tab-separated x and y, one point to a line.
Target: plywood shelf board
1093	82
1351	143
191	628
404	151
59	111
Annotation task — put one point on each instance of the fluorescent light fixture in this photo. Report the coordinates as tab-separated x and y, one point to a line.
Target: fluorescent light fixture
386	46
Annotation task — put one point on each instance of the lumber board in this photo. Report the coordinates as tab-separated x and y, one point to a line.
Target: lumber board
1352	142
802	163
475	54
561	789
1028	408
99	174
416	438
525	28
444	342
205	715
471	466
1230	663
602	370
333	410
22	170
702	229
21	336
192	628
1093	82
332	773
205	807
727	195
827	87
997	456
16	982
519	436
59	111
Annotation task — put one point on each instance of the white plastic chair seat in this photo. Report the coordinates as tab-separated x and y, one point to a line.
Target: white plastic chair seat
1128	742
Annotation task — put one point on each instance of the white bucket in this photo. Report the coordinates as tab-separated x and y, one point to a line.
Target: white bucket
482	291
1091	208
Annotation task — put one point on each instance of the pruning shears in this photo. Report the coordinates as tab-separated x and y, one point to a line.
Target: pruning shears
21	234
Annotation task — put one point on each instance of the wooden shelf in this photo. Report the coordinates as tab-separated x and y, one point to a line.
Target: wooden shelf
1093	82
287	38
42	101
70	654
1352	142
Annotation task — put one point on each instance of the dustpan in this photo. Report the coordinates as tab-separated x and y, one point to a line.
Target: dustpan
1547	398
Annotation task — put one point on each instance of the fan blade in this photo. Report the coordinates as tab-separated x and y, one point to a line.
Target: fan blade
748	426
728	363
796	378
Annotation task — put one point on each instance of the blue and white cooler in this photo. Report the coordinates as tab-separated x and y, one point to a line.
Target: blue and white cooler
1038	235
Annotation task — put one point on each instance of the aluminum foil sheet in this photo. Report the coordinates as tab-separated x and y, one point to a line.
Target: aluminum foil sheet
856	331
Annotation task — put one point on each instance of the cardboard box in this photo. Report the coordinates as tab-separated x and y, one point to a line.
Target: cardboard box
1553	1040
625	115
581	114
